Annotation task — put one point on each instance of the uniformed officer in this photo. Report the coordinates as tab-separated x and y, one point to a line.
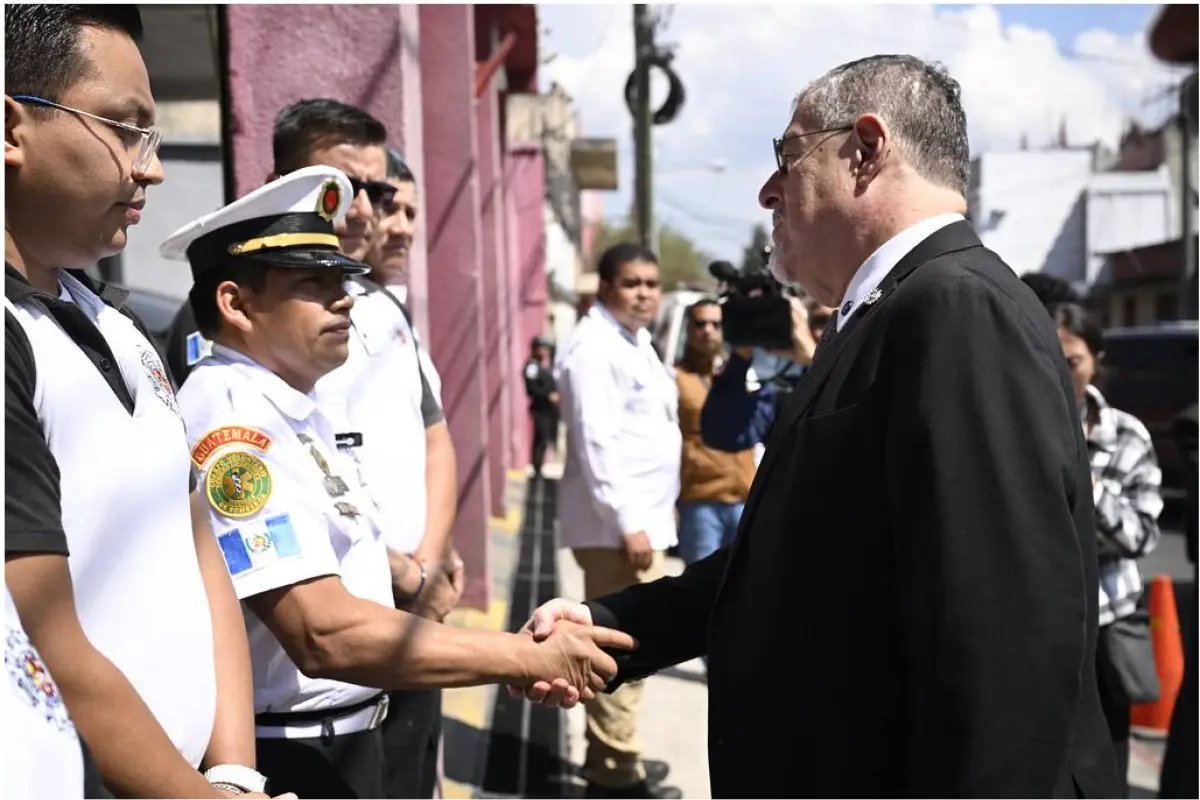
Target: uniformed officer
543	401
298	531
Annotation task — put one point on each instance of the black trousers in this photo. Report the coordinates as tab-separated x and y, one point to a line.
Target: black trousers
351	765
410	741
545	432
1115	704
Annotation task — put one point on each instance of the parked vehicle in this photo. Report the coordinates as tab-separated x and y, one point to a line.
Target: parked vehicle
1152	374
156	311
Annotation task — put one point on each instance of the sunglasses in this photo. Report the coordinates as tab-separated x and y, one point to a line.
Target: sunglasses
380	193
780	156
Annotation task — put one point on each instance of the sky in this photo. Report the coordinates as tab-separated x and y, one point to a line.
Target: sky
1024	69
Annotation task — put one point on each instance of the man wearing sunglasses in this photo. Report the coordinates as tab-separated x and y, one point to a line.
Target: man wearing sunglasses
109	558
310	133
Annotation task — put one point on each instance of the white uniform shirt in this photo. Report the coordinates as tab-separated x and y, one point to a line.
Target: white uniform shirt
286	506
621	407
124	481
41	753
380	395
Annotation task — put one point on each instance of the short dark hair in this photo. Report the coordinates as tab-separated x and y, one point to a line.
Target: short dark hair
397	167
304	125
1050	289
42	52
622	253
203	295
703	302
1075	319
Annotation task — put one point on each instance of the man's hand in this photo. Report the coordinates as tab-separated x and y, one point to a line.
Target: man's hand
554	397
570	658
443	587
803	343
638	552
557	693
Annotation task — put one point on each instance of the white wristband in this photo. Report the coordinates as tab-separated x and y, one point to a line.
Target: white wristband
237	775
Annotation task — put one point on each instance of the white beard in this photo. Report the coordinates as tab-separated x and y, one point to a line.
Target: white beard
777	272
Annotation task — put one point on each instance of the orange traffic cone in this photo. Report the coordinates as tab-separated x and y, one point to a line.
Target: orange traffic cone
1168	658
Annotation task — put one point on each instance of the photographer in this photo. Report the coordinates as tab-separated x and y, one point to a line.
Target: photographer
736	417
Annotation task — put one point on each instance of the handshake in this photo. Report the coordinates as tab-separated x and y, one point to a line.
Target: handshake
568	664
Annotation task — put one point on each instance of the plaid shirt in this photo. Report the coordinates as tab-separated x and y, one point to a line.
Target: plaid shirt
1125	488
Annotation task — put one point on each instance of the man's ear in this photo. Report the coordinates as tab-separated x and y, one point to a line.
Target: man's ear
232	305
16	120
872	141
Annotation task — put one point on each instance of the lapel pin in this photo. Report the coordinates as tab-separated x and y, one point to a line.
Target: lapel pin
872	298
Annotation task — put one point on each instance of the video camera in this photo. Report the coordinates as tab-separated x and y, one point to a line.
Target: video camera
755	311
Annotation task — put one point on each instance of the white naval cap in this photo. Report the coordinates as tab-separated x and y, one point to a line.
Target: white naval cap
287	222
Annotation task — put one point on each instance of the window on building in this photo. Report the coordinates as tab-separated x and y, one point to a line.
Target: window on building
1165	307
1129	311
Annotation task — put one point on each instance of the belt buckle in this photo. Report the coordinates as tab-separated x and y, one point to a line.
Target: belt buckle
381	710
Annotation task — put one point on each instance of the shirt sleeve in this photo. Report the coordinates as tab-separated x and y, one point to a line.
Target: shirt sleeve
1128	497
593	418
32	513
431	402
734	419
266	525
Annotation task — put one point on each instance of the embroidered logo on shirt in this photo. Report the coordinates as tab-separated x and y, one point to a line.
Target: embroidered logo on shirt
266	543
873	297
238	484
158	379
207	444
28	672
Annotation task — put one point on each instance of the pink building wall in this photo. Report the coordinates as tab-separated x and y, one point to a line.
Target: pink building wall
453	241
525	176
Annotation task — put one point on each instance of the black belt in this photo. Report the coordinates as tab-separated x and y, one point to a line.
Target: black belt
324	717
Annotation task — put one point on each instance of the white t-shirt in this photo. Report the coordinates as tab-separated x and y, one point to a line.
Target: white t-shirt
379	392
286	505
124	479
41	753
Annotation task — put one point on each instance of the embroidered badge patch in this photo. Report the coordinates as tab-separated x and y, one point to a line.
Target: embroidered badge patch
207	444
238	484
329	200
258	546
152	364
28	672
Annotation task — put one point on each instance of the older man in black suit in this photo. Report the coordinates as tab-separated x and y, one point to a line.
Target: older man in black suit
910	606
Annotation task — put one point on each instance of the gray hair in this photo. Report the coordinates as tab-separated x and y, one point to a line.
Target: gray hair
918	100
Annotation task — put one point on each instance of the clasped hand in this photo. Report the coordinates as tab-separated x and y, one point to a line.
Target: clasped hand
572	621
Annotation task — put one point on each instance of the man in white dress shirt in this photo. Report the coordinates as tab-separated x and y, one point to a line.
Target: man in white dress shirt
620	481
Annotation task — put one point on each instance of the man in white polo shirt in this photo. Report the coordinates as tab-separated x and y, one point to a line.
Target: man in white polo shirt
299	531
109	562
620	482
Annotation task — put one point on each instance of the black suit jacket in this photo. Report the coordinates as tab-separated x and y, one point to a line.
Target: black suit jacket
910	606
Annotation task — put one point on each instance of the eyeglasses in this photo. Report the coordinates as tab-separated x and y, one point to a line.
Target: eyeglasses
380	193
780	155
151	138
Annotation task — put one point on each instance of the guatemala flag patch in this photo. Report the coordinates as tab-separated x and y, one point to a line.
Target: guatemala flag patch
259	545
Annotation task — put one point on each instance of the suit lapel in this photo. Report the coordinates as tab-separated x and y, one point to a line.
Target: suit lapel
950	239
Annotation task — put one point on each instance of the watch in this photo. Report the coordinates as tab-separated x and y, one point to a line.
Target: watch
235	777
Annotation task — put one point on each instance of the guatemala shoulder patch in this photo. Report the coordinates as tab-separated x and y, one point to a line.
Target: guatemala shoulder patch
238	484
259	544
208	444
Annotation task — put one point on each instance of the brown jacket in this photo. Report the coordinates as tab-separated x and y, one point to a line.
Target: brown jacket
707	474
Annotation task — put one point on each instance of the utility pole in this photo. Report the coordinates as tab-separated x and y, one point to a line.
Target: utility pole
1187	221
643	125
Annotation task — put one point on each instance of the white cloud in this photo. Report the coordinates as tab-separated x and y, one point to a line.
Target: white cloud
743	64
